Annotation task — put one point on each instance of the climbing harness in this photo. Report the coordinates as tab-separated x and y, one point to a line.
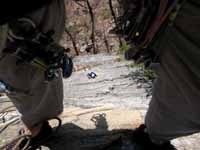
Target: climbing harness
34	47
142	24
10	10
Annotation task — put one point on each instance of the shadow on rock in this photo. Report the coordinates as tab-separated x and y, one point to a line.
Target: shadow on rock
140	77
71	136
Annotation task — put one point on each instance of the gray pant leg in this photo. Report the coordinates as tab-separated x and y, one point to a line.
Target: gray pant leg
174	109
35	99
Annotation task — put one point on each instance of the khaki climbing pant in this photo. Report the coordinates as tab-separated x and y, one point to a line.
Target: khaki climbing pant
175	107
34	98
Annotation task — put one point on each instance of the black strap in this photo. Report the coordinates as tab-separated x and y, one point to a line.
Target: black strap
12	9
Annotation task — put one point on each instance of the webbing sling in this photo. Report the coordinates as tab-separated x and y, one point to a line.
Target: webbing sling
163	13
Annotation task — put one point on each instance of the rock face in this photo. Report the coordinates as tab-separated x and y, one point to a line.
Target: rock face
114	84
115	99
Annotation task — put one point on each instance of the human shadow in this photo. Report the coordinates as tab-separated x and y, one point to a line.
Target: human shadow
72	137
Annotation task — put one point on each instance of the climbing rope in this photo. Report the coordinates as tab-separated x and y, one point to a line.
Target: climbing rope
15	143
11	121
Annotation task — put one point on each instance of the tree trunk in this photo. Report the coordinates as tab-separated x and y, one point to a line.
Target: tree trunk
115	19
93	27
73	41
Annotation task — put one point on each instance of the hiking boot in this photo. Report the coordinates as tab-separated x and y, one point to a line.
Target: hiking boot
35	142
142	141
41	139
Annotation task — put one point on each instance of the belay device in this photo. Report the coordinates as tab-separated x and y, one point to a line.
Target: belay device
37	48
